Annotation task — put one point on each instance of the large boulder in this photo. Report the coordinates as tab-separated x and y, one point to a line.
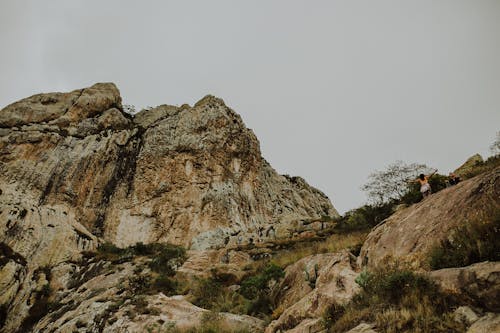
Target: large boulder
312	285
478	284
409	234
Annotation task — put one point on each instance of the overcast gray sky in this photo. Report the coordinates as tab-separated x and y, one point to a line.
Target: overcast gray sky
333	89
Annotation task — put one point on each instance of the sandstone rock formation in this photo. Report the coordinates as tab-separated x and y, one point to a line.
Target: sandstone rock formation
408	235
75	170
99	297
477	284
310	286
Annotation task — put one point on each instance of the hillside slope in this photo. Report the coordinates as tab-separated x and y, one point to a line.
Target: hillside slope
408	235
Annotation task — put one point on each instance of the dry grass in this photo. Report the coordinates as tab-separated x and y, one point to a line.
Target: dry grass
396	301
419	318
333	243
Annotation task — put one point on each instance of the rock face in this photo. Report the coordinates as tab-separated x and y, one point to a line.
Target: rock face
310	286
478	284
75	170
408	235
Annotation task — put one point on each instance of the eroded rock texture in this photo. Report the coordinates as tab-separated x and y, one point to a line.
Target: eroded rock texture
310	286
75	170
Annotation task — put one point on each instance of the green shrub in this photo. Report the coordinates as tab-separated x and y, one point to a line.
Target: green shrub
205	293
257	290
142	249
167	259
139	284
252	286
471	243
364	217
110	248
253	297
395	300
166	285
212	295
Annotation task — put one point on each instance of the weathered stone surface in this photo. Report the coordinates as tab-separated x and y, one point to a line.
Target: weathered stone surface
362	328
205	263
61	108
466	315
313	284
75	170
409	234
191	175
478	283
96	297
175	312
309	326
487	324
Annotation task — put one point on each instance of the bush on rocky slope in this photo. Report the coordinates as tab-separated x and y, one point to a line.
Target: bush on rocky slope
252	298
396	300
468	244
481	167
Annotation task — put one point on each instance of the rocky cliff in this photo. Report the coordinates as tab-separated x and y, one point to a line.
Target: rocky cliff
76	171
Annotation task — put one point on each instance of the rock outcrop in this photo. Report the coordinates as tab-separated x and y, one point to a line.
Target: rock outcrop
76	170
488	323
310	286
409	234
477	284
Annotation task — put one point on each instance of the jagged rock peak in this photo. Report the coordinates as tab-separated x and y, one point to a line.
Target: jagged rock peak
187	175
76	171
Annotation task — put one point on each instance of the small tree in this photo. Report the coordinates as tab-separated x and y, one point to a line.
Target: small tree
392	183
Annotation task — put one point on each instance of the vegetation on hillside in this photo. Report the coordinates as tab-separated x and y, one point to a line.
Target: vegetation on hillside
390	188
471	243
396	300
253	297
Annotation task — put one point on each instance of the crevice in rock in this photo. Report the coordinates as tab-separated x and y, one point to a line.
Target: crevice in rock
7	253
123	172
48	188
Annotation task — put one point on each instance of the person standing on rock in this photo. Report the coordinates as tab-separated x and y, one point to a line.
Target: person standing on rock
425	187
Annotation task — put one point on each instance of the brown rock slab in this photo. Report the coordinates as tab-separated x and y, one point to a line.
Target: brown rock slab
313	284
478	283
